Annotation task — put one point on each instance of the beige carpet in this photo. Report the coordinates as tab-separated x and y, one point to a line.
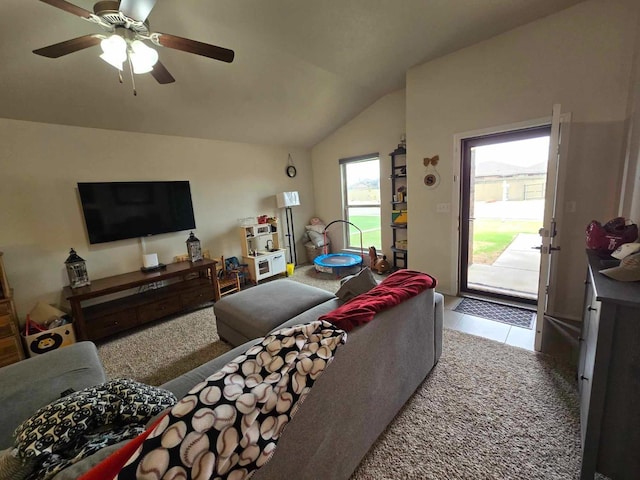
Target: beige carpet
487	411
163	350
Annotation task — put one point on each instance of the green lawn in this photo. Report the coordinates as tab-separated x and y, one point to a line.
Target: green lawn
370	226
491	236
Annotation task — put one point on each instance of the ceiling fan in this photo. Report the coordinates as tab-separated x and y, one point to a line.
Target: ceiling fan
127	26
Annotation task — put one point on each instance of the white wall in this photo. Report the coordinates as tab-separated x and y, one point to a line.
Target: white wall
580	57
630	201
376	130
41	217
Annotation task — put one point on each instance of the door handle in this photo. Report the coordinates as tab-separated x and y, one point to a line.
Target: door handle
550	248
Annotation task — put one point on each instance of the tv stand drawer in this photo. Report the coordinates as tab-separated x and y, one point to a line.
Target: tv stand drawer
197	296
110	324
159	309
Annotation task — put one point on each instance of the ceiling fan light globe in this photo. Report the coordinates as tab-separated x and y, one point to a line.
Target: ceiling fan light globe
144	52
140	67
114	45
143	58
115	62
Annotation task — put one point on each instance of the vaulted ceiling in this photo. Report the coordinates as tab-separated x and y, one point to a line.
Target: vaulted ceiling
302	68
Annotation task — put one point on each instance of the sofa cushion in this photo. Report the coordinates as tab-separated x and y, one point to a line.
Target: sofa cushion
256	311
12	467
361	282
313	313
32	383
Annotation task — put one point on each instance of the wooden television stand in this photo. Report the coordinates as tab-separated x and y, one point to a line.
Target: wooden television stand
185	285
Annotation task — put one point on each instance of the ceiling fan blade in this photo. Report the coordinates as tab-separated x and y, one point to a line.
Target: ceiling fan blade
199	48
68	7
161	74
64	48
137	9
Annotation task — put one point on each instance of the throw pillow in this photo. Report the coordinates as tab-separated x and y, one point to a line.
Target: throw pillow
57	425
319	228
138	401
316	238
359	283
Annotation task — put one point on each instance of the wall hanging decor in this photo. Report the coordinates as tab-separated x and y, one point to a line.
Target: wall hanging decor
291	169
432	177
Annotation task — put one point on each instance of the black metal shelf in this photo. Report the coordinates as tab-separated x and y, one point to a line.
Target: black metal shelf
399	175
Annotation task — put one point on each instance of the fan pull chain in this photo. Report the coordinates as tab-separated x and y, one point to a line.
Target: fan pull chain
133	80
120	76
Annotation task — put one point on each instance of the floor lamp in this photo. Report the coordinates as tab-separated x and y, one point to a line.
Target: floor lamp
287	200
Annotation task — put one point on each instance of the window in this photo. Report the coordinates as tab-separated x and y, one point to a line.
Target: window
361	200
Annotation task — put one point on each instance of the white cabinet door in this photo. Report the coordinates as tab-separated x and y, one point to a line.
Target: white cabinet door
263	267
278	263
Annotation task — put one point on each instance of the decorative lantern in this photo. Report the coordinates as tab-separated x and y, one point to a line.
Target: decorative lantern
76	270
193	248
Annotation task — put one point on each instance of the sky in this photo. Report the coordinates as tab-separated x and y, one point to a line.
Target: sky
525	152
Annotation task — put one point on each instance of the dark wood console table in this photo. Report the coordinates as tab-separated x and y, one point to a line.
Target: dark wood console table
185	285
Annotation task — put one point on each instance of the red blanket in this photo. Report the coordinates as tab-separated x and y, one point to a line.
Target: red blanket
396	288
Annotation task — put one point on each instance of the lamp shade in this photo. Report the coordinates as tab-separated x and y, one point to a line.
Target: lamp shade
287	199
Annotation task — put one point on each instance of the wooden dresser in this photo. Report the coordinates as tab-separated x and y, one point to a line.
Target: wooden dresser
609	376
10	342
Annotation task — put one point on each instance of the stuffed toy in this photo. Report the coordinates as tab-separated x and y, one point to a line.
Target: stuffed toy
383	266
380	265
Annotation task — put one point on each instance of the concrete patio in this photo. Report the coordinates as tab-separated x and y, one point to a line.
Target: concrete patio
516	271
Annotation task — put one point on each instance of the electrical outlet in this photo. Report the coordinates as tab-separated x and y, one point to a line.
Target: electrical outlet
570	206
443	207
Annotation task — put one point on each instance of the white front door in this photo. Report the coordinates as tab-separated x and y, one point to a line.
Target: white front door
548	232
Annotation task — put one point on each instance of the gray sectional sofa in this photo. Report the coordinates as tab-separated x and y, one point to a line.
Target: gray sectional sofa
370	379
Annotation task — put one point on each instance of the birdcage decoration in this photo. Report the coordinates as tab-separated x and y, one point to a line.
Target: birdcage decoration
76	270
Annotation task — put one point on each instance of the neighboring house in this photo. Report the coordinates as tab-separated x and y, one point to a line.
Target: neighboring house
582	58
495	181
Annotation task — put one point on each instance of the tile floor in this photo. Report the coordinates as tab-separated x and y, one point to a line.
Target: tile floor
500	332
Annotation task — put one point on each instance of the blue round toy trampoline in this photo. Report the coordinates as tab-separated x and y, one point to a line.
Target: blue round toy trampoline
336	262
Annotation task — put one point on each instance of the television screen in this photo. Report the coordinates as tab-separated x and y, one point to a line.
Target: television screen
119	210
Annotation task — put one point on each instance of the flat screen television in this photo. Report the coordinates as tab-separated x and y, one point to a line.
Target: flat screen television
119	210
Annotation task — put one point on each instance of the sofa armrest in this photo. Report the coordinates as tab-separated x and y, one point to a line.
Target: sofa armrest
31	384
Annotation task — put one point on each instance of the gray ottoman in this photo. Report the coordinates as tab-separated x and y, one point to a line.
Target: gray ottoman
253	313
